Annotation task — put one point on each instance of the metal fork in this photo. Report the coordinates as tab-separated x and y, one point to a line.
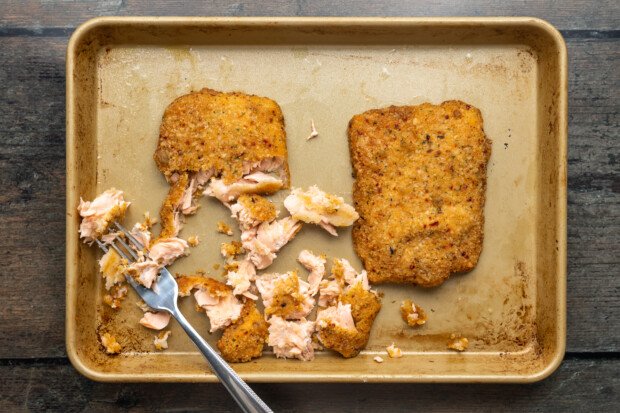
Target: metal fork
163	297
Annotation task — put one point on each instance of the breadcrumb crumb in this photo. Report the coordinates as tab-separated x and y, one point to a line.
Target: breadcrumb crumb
378	359
193	240
231	249
394	352
110	344
117	295
412	314
458	343
223	228
161	340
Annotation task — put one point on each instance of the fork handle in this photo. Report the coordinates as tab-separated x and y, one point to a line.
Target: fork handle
238	389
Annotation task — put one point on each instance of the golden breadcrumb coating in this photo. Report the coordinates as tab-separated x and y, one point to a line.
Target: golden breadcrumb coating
420	181
168	209
211	129
258	207
412	314
364	308
244	339
188	282
287	301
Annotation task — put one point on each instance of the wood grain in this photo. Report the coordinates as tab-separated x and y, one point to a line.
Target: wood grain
39	16
44	387
32	198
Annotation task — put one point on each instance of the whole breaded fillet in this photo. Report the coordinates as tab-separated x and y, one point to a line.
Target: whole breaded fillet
228	132
420	181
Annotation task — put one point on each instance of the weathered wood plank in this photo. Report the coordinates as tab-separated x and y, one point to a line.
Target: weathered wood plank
568	15
575	387
32	197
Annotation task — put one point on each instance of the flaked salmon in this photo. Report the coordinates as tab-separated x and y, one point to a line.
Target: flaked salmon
318	207
99	213
155	320
316	265
268	238
291	339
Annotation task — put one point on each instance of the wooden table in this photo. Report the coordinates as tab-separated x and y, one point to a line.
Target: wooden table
34	371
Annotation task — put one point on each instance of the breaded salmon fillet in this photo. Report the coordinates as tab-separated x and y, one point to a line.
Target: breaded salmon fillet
227	143
244	339
227	132
420	181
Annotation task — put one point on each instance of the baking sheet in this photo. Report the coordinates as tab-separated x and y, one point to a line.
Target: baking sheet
122	73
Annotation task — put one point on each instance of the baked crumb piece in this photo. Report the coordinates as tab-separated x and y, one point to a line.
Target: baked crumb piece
110	344
193	241
412	314
458	343
393	351
378	359
244	339
231	249
117	295
161	340
216	266
224	228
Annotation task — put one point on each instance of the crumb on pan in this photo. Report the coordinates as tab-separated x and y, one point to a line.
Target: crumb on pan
224	228
393	351
458	343
378	359
412	314
244	339
161	340
110	344
420	183
231	249
193	240
116	296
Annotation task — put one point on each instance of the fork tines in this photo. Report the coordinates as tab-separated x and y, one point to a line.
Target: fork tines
124	250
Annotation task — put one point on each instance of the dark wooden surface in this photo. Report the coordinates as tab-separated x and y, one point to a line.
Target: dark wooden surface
34	372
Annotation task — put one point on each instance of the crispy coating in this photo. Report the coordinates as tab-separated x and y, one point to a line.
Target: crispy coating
168	209
211	129
364	308
244	339
420	190
287	300
258	207
188	282
412	314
